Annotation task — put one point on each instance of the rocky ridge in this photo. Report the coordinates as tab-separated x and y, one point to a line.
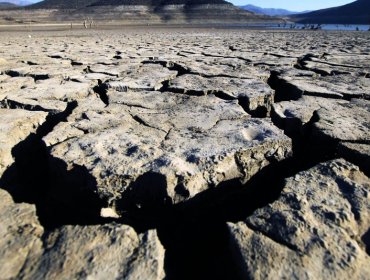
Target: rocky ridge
222	144
144	12
355	12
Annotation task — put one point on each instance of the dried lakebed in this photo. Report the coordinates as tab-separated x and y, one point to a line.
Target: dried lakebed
184	154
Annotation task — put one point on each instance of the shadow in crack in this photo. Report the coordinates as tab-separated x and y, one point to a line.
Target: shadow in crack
195	234
62	195
366	239
197	242
145	201
198	245
283	90
200	249
101	89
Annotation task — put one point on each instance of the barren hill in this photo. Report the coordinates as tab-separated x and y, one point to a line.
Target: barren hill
59	4
7	5
158	2
138	12
357	12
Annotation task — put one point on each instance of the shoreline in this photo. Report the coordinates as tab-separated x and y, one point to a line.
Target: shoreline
65	26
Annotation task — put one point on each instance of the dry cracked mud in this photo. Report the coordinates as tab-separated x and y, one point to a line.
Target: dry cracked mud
184	154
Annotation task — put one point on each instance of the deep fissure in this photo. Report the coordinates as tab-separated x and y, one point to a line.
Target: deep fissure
194	233
12	104
101	89
190	231
36	77
29	180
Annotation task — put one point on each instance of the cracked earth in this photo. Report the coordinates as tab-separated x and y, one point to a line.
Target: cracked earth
184	154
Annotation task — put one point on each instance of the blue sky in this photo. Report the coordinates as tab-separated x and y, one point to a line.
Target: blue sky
294	5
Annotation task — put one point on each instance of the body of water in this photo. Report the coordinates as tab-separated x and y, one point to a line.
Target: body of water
344	27
296	26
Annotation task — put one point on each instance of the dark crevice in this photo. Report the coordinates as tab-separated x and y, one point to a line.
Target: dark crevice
364	141
188	230
36	77
244	102
31	63
301	66
165	86
12	73
366	240
232	48
215	76
132	105
302	134
306	143
190	92
88	70
60	142
76	63
223	56
283	90
142	122
194	233
53	120
56	56
11	104
279	55
340	65
301	60
102	89
170	65
222	95
328	96
265	65
259	112
62	195
349	97
358	158
201	250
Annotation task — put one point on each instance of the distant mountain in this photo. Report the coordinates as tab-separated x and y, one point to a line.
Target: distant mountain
269	11
150	11
17	2
60	4
158	2
75	4
357	12
7	5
